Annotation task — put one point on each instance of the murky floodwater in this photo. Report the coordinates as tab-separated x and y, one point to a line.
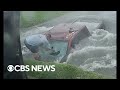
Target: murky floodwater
96	53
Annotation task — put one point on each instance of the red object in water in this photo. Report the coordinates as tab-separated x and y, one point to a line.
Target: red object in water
62	32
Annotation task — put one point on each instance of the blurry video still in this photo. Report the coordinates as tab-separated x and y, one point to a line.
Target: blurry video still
59	45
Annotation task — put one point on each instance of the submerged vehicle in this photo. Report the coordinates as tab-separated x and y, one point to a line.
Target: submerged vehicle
65	36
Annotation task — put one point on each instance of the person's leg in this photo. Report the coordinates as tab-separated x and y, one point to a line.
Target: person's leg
36	56
35	51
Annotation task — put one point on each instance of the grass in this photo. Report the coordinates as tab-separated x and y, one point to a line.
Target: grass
31	18
63	71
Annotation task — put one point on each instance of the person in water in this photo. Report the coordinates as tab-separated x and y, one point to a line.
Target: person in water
71	33
35	42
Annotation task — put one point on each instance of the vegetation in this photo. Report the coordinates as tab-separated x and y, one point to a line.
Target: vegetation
63	71
31	18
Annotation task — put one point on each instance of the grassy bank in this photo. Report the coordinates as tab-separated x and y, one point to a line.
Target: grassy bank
31	18
63	71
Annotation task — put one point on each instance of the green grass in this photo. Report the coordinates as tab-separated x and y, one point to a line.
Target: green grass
63	71
32	18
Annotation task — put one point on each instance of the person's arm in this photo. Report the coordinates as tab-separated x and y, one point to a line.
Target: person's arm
50	49
47	45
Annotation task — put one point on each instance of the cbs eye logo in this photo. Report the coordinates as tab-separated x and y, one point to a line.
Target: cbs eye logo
18	68
10	68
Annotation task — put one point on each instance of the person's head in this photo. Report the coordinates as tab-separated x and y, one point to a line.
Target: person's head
71	30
